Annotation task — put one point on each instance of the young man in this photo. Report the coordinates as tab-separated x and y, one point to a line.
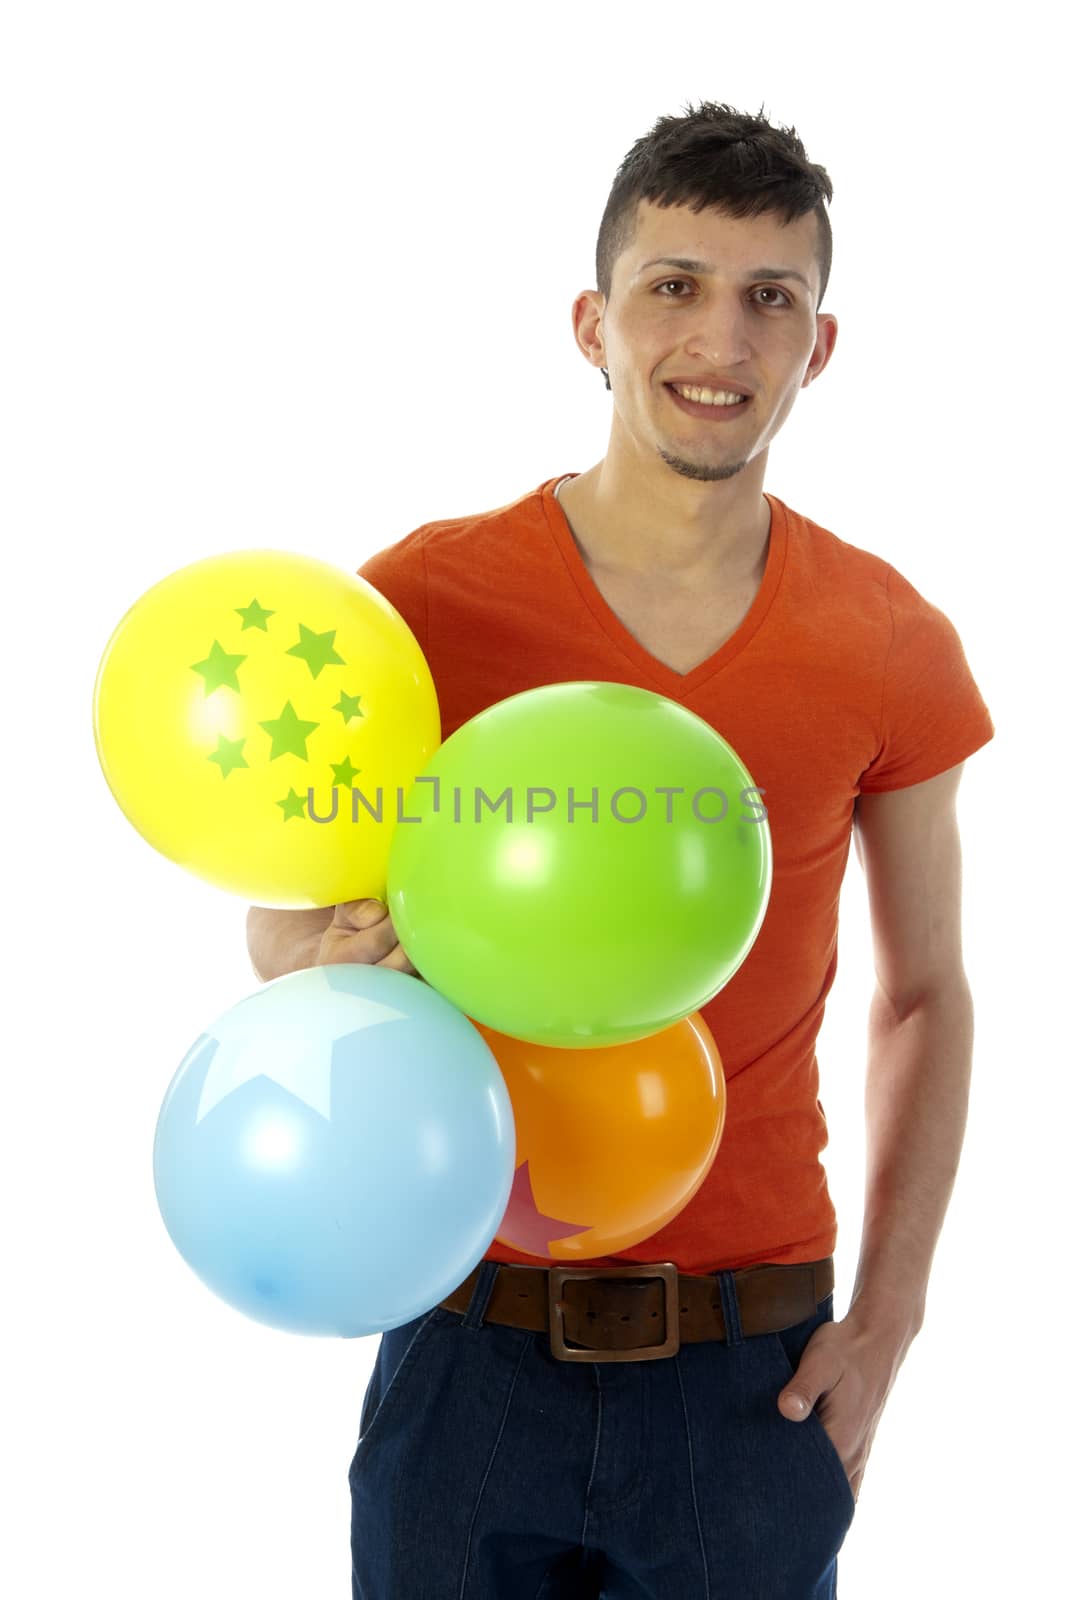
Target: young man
496	1460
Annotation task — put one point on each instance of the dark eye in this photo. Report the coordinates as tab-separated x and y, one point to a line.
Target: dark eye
769	288
666	285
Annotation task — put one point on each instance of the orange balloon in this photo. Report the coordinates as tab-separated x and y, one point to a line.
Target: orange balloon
610	1143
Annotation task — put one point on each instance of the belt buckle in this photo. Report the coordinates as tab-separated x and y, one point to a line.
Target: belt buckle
667	1270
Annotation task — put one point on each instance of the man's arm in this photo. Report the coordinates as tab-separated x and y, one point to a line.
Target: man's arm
920	1038
918	1080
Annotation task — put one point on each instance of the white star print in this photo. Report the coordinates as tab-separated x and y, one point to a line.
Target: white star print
286	1032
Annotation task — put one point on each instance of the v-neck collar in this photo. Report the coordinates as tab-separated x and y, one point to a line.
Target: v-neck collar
676	684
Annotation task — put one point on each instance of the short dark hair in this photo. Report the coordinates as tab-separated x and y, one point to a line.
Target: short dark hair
715	156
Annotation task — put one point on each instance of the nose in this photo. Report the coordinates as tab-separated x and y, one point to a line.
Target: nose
719	335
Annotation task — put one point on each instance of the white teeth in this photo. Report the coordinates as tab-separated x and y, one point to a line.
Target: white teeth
709	397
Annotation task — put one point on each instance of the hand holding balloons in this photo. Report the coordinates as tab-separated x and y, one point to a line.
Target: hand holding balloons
337	1153
362	930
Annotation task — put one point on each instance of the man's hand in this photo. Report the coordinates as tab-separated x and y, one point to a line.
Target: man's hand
362	931
846	1373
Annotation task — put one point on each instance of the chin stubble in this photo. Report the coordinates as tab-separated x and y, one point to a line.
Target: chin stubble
699	470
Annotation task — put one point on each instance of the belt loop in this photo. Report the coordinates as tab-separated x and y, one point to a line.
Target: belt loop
483	1288
731	1314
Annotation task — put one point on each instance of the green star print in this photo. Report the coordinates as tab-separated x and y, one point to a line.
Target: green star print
317	650
219	670
288	734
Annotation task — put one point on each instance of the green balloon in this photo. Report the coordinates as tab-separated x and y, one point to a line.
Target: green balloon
569	927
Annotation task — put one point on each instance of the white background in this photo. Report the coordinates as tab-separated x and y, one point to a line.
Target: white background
280	275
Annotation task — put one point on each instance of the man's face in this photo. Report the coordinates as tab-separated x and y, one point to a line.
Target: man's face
734	318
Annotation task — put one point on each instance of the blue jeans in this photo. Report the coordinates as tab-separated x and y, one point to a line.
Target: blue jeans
487	1469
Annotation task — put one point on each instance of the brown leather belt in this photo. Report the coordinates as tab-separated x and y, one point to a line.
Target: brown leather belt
643	1312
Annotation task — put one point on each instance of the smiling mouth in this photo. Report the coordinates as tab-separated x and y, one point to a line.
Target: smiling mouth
709	412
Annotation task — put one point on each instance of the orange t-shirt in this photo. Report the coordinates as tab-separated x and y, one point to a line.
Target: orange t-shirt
841	680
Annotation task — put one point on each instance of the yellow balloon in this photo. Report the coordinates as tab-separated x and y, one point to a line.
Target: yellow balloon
254	714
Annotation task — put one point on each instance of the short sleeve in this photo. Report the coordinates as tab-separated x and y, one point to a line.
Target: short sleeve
399	573
933	716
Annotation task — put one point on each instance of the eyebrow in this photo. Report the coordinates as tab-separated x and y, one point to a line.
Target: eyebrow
686	265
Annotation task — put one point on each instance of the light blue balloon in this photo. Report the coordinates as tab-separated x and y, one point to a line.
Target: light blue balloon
335	1154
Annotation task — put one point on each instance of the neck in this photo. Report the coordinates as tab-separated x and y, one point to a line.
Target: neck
667	527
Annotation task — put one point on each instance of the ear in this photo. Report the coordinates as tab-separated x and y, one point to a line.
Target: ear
825	340
587	314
